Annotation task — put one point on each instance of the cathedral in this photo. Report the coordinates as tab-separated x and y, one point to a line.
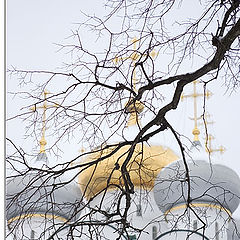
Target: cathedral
168	203
174	197
129	181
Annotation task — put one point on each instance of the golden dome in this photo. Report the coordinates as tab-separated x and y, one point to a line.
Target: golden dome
144	166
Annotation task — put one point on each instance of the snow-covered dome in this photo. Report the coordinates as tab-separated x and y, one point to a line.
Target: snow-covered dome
212	184
42	192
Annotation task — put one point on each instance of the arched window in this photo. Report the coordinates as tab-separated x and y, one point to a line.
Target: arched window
32	235
216	231
195	225
132	237
154	232
139	210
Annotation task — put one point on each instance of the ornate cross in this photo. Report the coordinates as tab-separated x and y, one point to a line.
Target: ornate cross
208	146
45	106
137	107
195	95
209	138
134	57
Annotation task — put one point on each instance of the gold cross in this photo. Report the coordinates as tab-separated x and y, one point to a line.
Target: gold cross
134	109
208	146
134	57
205	119
194	95
209	138
45	106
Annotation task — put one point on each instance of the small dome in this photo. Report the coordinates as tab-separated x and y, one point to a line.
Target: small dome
43	193
212	184
145	164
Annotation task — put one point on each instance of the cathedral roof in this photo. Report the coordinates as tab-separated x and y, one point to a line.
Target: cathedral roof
42	192
145	164
213	184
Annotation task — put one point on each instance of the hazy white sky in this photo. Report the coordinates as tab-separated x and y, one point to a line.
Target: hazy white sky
34	26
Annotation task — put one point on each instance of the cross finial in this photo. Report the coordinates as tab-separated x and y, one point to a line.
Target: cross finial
134	108
194	95
45	106
209	138
134	57
206	116
208	146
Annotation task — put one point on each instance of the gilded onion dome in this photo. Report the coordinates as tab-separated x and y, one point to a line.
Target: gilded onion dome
145	163
144	166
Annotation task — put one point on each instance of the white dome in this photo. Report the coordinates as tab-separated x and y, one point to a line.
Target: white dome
42	192
211	184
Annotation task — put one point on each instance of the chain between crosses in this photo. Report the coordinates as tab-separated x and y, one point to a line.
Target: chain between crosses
194	95
45	106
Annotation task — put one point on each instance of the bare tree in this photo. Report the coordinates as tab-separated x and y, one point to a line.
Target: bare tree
118	77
